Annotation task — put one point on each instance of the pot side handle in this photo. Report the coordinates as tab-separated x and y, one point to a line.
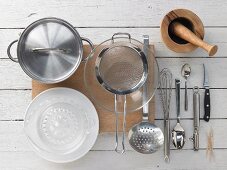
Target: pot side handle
91	45
8	51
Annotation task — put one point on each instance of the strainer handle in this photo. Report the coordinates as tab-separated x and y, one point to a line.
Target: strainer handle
91	45
121	33
124	125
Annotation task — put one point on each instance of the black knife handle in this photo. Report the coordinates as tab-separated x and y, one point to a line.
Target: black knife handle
207	105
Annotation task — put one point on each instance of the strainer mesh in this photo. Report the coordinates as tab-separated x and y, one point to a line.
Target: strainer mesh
121	68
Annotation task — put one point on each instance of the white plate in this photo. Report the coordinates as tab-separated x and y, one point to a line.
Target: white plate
61	124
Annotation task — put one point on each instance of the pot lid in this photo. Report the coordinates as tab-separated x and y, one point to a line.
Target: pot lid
50	50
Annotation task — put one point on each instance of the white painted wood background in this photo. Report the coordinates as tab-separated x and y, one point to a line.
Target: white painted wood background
98	20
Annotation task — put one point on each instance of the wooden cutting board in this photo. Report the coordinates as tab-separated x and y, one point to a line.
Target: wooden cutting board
106	118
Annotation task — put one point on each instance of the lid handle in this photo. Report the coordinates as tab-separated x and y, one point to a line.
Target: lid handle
62	50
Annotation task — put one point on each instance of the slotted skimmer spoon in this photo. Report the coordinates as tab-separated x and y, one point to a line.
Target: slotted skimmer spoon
145	137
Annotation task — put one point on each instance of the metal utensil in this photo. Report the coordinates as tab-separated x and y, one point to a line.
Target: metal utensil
165	86
145	137
178	133
196	110
185	72
121	69
206	96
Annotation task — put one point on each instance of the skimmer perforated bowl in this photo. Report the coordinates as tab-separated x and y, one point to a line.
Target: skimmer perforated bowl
145	137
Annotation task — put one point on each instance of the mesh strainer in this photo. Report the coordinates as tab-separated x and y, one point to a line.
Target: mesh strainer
121	70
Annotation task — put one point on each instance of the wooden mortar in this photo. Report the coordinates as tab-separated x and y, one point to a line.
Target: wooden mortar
182	31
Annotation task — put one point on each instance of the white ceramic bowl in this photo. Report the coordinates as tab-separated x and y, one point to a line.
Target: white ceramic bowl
61	124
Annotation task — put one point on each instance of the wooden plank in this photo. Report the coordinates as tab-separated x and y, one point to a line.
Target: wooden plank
215	66
108	13
11	72
105	141
187	160
218	109
12	76
13	104
13	138
214	35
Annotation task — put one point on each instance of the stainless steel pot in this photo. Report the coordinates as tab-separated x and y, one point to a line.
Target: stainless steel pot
49	50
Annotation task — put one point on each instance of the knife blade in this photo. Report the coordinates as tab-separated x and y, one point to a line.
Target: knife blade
206	95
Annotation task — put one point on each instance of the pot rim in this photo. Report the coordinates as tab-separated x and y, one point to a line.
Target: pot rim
22	38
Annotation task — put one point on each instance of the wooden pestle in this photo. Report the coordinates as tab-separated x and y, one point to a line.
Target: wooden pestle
183	32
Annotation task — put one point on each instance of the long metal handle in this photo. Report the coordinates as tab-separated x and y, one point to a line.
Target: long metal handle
121	151
196	110
186	96
145	106
167	140
196	106
196	140
177	84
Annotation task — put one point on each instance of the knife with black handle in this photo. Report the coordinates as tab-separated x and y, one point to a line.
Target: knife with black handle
206	96
207	105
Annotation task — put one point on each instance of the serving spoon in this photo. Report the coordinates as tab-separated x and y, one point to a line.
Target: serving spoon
178	133
185	72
